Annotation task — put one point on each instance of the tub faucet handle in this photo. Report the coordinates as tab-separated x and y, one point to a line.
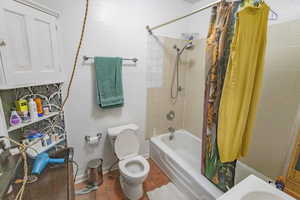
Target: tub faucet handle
171	115
171	129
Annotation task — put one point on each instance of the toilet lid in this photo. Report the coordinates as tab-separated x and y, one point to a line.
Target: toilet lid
127	145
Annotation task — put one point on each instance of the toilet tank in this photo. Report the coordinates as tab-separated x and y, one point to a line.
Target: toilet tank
115	131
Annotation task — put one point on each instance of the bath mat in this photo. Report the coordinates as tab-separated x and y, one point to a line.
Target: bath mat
168	191
86	190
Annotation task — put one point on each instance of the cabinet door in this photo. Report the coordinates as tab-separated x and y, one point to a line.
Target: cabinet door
45	47
16	38
295	168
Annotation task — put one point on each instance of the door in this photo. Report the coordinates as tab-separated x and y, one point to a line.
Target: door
16	39
45	47
294	172
29	49
293	176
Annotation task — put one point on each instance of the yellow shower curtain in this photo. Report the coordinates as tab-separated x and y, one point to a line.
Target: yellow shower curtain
242	82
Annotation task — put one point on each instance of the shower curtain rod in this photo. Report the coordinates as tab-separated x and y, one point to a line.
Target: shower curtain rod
150	29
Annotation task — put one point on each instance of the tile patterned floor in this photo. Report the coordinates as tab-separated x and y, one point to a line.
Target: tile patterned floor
111	189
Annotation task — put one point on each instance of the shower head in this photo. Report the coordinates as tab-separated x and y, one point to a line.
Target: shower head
189	45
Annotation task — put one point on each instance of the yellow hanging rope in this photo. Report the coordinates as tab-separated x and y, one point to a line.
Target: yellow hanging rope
77	54
22	149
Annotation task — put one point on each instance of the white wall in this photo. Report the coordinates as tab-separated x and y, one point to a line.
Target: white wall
115	28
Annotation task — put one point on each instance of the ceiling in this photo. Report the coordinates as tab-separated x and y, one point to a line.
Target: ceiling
192	1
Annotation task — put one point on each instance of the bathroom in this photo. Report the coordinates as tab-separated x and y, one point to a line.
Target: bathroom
117	28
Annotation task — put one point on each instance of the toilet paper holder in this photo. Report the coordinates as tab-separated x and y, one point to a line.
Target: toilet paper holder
91	140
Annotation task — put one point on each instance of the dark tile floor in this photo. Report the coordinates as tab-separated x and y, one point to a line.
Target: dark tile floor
111	189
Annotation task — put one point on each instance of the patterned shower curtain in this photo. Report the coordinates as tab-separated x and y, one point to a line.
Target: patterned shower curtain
219	40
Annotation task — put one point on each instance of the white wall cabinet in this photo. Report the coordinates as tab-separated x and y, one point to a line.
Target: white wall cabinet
29	49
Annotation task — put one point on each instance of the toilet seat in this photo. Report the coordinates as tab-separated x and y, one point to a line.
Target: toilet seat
127	145
129	167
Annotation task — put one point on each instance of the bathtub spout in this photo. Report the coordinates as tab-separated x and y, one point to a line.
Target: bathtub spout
171	130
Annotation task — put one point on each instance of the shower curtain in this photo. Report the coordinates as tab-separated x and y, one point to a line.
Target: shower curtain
234	59
217	54
243	81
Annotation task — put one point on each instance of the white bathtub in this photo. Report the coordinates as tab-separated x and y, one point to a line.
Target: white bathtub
180	159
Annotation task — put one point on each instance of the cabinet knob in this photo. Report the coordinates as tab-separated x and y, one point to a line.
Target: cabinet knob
2	43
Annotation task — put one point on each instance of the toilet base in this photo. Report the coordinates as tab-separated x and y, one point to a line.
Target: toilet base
132	191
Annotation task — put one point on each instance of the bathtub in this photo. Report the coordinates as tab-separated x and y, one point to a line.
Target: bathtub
180	160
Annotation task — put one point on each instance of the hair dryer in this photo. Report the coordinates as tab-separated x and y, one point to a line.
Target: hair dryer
42	160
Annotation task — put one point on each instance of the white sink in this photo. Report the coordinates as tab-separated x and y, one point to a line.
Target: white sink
253	188
261	195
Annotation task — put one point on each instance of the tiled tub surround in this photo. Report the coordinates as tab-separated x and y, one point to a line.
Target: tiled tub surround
189	105
159	102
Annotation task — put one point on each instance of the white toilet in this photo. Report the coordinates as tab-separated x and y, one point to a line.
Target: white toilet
134	168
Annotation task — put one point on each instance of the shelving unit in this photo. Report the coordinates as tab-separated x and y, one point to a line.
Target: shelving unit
42	78
13	128
33	154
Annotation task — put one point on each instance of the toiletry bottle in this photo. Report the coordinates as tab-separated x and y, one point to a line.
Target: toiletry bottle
280	183
22	105
46	108
22	108
15	119
39	106
33	110
48	139
25	117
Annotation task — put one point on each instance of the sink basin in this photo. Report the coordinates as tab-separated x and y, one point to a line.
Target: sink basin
261	196
253	188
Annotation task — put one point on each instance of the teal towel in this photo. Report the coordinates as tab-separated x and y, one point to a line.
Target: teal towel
109	82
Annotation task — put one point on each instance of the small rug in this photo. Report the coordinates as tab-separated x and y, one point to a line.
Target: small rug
168	191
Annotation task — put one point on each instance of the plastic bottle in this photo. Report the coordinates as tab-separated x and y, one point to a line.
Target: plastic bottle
15	119
46	109
32	109
22	109
39	106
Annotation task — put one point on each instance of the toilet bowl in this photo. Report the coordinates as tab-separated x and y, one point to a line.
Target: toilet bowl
134	172
134	168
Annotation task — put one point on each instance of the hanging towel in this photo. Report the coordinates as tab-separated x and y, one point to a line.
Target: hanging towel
109	82
242	83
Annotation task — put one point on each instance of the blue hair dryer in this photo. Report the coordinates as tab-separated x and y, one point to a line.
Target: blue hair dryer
42	160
